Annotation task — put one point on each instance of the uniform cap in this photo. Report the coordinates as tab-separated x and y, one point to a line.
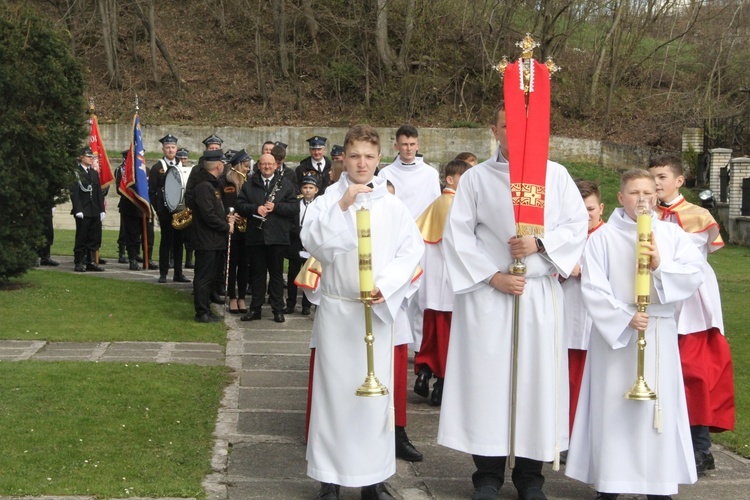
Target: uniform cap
212	139
239	157
309	179
317	142
168	139
182	153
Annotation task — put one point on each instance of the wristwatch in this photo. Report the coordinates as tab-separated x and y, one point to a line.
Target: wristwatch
539	245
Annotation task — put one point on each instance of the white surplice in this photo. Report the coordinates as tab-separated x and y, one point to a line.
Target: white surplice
351	440
615	444
475	413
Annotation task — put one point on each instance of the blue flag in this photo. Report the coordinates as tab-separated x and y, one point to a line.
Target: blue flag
134	183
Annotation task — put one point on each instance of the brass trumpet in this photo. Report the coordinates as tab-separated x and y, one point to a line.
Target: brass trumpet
640	390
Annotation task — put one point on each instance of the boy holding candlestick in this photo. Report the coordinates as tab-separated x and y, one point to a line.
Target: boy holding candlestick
351	439
622	445
704	352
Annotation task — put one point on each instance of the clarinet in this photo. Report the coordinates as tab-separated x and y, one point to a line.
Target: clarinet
271	197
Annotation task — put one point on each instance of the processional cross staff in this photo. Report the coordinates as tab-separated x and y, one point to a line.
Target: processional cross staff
526	91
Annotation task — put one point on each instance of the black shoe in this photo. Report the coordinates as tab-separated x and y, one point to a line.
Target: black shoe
139	259
305	311
704	462
181	278
208	318
251	316
422	384
122	259
134	266
162	279
532	493
606	496
46	261
80	268
405	450
216	298
102	261
278	317
289	310
376	492
658	497
151	264
486	492
437	393
328	491
94	267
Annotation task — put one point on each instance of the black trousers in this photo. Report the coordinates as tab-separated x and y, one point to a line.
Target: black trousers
130	231
491	470
267	259
291	289
207	264
49	235
88	238
239	272
171	243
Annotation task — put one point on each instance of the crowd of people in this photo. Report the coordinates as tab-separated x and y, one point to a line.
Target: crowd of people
440	257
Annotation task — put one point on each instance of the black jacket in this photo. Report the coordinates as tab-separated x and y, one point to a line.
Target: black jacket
324	178
210	227
125	206
86	193
278	223
156	179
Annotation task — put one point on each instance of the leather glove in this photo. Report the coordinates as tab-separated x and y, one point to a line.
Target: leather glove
102	215
79	215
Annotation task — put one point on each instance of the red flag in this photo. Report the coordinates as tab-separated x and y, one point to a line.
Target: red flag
101	161
527	121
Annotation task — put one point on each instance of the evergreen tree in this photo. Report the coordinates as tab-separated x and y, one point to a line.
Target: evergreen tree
41	130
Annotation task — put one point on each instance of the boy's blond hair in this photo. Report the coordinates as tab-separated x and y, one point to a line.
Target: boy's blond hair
633	174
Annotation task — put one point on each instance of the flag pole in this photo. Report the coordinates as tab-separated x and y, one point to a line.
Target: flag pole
91	122
144	225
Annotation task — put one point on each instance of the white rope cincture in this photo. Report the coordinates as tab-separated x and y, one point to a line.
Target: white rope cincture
657	407
391	401
556	459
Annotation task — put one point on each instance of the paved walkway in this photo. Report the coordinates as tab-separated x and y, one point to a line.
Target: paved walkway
259	450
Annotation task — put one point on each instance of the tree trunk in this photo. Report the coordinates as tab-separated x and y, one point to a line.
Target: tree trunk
381	37
152	31
403	52
108	11
602	53
312	24
162	48
279	26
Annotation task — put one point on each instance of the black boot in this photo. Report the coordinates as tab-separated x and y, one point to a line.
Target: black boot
422	384
121	259
134	266
328	491
404	448
376	492
437	392
80	266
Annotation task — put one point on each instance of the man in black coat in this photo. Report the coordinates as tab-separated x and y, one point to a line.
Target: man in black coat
210	230
171	238
131	221
317	164
88	209
269	202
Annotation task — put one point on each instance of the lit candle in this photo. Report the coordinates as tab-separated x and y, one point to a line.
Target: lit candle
643	273
364	244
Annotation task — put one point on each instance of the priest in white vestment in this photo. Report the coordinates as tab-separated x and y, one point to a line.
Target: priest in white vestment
621	445
480	245
351	438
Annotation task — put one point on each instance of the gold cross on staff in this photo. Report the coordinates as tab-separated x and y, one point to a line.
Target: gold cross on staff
527	46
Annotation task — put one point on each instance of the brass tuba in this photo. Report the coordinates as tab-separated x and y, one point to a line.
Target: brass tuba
182	219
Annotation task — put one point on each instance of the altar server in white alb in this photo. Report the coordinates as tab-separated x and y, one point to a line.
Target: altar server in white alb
351	438
622	445
480	245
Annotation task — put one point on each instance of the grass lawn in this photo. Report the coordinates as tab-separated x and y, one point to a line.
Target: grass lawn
107	429
57	306
732	266
65	241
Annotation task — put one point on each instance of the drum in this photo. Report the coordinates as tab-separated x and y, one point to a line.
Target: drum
174	188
